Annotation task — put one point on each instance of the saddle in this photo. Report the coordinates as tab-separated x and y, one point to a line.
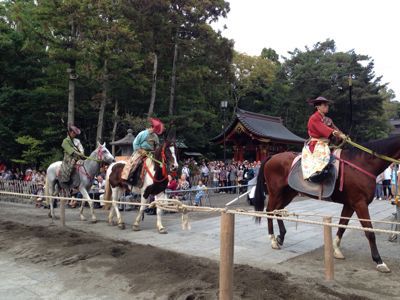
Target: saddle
323	185
74	179
135	177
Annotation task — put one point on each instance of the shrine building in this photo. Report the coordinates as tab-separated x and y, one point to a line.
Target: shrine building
256	136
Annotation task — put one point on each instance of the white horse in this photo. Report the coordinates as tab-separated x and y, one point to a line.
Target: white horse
82	178
154	183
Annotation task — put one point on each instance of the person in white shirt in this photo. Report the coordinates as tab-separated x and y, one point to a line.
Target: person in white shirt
387	178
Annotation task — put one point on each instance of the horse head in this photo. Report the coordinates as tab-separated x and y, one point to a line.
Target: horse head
171	151
103	155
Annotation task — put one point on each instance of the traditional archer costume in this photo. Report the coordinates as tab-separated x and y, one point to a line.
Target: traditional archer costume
146	140
316	153
72	153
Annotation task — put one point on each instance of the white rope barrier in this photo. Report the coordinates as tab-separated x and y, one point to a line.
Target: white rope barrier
237	198
178	206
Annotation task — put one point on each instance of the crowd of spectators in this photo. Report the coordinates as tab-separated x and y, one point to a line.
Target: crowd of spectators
220	177
34	181
193	178
387	182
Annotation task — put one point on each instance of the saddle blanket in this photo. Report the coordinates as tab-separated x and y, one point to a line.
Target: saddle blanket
321	190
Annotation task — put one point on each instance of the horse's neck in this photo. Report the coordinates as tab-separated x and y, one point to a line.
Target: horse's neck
377	165
154	163
92	167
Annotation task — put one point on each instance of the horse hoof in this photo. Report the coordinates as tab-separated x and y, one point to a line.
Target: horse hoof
279	240
93	221
162	231
121	226
383	268
83	219
275	246
135	228
338	255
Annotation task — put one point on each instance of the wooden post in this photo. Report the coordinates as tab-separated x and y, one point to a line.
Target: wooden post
62	213
226	256
328	250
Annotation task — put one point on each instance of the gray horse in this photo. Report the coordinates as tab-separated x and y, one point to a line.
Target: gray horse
82	178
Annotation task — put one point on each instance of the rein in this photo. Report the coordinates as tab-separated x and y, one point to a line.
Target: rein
85	172
99	159
162	165
365	149
99	155
362	148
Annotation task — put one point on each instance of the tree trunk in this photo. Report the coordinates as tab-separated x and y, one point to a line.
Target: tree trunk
114	130
71	93
173	80
153	86
71	82
103	103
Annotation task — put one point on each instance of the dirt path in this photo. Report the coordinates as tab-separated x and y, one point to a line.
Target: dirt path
101	267
70	264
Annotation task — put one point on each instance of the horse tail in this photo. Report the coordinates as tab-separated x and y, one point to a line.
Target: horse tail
107	192
259	195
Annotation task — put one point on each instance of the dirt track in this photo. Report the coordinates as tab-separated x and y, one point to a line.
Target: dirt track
95	267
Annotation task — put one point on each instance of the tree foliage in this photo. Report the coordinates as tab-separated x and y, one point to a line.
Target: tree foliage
112	45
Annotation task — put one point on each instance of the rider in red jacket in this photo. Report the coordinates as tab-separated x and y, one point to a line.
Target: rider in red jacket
319	126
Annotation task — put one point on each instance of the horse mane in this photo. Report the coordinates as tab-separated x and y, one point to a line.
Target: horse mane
381	146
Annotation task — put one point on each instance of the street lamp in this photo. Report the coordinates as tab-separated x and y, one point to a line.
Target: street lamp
224	106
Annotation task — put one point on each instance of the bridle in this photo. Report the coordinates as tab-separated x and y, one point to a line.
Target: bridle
99	159
163	166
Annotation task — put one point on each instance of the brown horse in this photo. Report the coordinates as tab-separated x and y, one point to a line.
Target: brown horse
356	195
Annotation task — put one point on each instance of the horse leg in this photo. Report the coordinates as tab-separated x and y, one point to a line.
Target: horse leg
282	232
286	198
51	202
113	206
363	213
117	193
347	212
85	195
135	226
160	227
83	218
270	207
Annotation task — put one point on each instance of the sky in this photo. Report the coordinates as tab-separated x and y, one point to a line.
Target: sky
369	27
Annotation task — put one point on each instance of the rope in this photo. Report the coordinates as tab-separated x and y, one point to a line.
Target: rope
178	206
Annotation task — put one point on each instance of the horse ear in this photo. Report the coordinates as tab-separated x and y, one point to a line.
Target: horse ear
104	144
171	136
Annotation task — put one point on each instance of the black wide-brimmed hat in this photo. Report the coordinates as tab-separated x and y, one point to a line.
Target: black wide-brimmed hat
318	100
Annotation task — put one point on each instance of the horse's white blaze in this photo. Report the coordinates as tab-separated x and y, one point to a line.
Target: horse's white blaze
172	149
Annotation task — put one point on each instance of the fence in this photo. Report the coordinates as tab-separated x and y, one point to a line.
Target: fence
22	188
209	194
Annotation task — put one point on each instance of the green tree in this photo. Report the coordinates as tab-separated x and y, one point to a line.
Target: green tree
323	71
